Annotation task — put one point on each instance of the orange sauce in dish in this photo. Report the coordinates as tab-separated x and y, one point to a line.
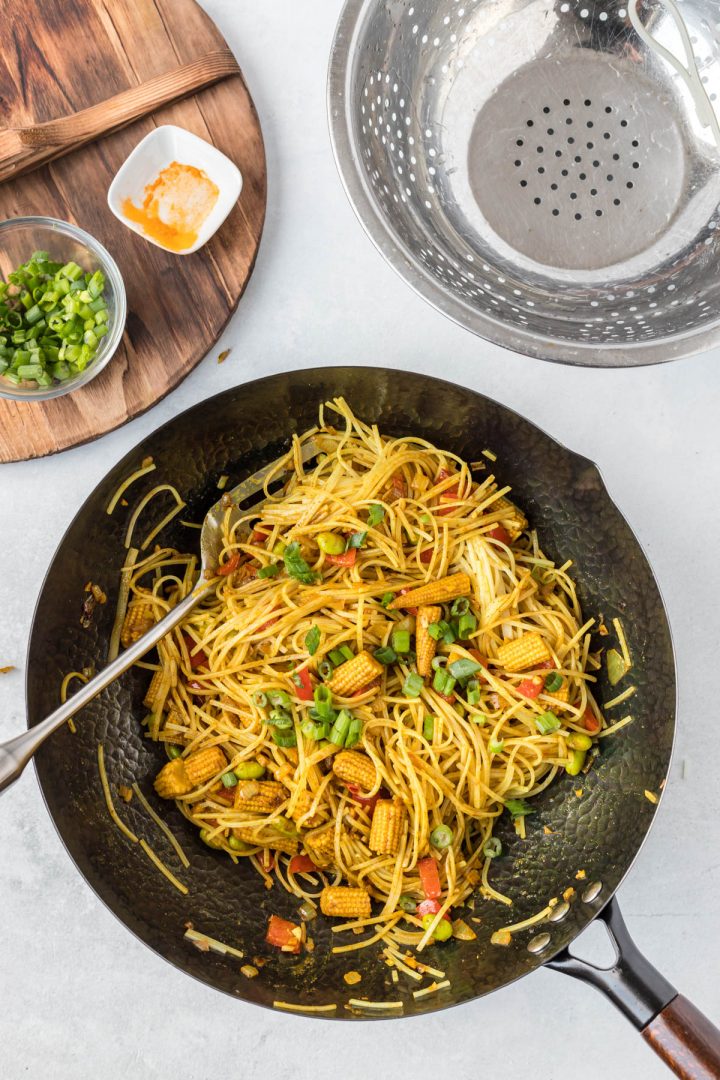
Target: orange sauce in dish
174	206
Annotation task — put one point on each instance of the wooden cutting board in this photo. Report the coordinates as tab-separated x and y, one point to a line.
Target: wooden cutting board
56	58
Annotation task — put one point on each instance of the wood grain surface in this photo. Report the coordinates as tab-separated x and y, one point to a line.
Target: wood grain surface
686	1041
177	304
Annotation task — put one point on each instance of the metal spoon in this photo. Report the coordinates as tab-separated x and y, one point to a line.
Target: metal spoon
15	754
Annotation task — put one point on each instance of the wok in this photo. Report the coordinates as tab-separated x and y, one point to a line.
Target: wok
599	832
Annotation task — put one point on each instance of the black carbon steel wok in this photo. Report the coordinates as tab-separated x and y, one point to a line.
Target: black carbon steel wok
600	832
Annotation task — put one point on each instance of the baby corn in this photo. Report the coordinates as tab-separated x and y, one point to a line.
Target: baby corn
180	776
259	796
139	619
355	674
515	522
354	768
267	837
425	646
387	826
320	846
302	806
525	652
345	901
435	592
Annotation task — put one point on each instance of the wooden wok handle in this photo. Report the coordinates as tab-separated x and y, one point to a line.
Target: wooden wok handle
685	1040
41	143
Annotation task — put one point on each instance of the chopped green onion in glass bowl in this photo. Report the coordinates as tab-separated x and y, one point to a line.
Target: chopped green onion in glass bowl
62	308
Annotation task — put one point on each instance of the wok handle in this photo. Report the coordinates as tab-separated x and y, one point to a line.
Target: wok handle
669	1023
15	754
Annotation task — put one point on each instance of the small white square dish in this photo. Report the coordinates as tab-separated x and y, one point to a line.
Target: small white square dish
175	190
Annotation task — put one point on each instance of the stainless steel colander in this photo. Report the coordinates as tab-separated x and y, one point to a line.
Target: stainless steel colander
545	172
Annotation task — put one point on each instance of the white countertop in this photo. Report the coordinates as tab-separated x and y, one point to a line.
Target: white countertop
80	996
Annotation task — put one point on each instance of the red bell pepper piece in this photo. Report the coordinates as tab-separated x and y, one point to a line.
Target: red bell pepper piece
446	697
399	487
230	566
499	533
301	864
590	721
226	795
367	801
257	536
369	686
426	556
303	686
198	658
429	878
531	688
346	559
282	933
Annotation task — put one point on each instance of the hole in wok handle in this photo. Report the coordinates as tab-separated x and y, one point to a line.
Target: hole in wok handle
631	982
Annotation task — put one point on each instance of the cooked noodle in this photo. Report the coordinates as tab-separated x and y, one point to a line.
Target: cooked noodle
249	637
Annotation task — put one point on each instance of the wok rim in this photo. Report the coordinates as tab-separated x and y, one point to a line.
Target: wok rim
504	334
130	455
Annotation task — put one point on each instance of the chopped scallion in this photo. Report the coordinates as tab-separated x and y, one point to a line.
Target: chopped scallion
413	685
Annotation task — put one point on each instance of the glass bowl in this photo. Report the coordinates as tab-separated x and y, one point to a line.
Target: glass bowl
19	238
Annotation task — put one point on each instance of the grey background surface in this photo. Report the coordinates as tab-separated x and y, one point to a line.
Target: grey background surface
79	996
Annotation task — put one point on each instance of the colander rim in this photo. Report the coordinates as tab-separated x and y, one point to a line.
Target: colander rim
689	342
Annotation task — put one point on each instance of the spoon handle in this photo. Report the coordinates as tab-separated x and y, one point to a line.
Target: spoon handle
15	754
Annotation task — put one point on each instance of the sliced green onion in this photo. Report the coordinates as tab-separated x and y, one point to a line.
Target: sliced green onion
441	837
387	598
375	515
336	657
315	730
440	678
354	732
279	698
479	718
437	629
173	751
553	682
385	655
260	699
438	662
347	652
270	571
312	640
325	669
284	738
413	685
428	728
401	641
229	779
467	625
340	728
473	692
547	723
463	668
518	808
407	903
496	747
492	847
448	634
280	719
461	606
323	701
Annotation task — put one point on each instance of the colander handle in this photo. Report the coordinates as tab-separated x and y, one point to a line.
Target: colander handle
678	1032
